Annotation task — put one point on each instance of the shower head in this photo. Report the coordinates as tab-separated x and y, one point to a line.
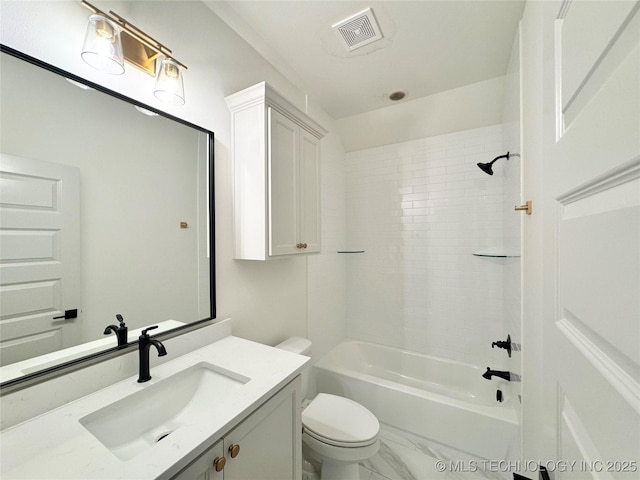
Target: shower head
488	167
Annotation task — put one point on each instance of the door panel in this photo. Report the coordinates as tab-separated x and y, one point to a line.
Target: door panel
581	54
203	468
283	195
39	257
269	440
591	339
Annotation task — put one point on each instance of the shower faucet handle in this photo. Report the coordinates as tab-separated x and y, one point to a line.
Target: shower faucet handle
504	344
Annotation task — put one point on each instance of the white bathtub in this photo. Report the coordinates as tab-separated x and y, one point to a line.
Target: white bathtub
441	400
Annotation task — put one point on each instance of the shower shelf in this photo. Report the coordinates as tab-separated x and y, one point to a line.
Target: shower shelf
350	251
496	253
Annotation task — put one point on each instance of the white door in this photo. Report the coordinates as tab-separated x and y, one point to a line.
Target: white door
586	191
39	257
283	184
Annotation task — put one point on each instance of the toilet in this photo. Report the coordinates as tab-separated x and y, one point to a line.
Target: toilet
336	431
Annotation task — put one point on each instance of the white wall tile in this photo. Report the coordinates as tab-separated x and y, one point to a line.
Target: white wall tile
418	286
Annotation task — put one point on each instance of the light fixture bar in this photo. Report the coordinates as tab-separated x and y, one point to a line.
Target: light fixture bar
140	49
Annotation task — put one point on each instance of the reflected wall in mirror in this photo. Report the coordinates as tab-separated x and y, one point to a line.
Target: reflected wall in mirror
104	210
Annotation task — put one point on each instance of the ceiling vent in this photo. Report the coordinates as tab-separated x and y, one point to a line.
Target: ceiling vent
358	30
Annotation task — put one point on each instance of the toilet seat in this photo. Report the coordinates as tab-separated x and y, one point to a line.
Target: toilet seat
340	422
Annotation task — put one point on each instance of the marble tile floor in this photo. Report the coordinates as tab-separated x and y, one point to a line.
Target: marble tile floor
405	457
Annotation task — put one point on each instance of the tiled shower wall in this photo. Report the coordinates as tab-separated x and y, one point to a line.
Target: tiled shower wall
419	210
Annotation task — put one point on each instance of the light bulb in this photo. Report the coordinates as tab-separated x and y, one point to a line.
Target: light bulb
169	83
102	47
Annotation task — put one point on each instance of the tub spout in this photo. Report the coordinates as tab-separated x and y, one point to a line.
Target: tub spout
508	376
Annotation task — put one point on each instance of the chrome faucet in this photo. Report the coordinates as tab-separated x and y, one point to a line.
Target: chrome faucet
121	331
144	344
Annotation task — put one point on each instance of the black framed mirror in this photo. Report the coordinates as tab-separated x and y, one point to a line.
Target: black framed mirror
107	209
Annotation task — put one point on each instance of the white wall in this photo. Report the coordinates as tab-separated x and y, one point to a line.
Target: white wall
268	301
472	106
420	209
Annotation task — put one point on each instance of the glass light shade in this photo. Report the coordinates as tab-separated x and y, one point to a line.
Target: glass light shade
102	47
169	84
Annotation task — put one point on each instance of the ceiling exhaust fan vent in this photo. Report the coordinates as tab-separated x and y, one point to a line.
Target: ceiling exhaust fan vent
358	30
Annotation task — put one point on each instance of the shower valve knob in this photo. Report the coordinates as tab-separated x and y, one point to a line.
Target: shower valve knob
504	344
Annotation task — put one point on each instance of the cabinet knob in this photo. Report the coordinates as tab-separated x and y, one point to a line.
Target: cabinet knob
298	245
304	245
234	450
218	463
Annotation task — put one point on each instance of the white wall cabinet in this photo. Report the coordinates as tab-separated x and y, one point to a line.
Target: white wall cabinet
266	445
276	166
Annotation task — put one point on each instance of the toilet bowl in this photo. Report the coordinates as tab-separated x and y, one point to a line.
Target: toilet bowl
336	431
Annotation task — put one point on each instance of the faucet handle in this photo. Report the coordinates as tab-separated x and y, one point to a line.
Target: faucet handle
144	332
120	319
503	344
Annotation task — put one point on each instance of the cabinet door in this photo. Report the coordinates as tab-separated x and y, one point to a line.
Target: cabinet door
203	468
269	441
283	185
309	175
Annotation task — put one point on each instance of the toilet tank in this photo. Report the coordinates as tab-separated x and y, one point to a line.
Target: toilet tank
301	346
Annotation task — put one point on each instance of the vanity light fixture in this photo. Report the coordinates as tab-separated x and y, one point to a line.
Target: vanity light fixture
102	48
111	40
169	84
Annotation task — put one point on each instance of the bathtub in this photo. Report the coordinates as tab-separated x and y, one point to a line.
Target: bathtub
441	400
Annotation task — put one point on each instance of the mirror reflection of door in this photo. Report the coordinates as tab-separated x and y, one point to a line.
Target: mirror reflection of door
39	257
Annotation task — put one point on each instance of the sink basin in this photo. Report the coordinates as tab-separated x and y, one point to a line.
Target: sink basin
135	423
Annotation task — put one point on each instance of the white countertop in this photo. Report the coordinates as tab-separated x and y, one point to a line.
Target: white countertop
56	446
32	365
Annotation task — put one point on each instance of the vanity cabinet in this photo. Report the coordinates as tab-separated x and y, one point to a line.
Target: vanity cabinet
204	467
267	445
276	176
